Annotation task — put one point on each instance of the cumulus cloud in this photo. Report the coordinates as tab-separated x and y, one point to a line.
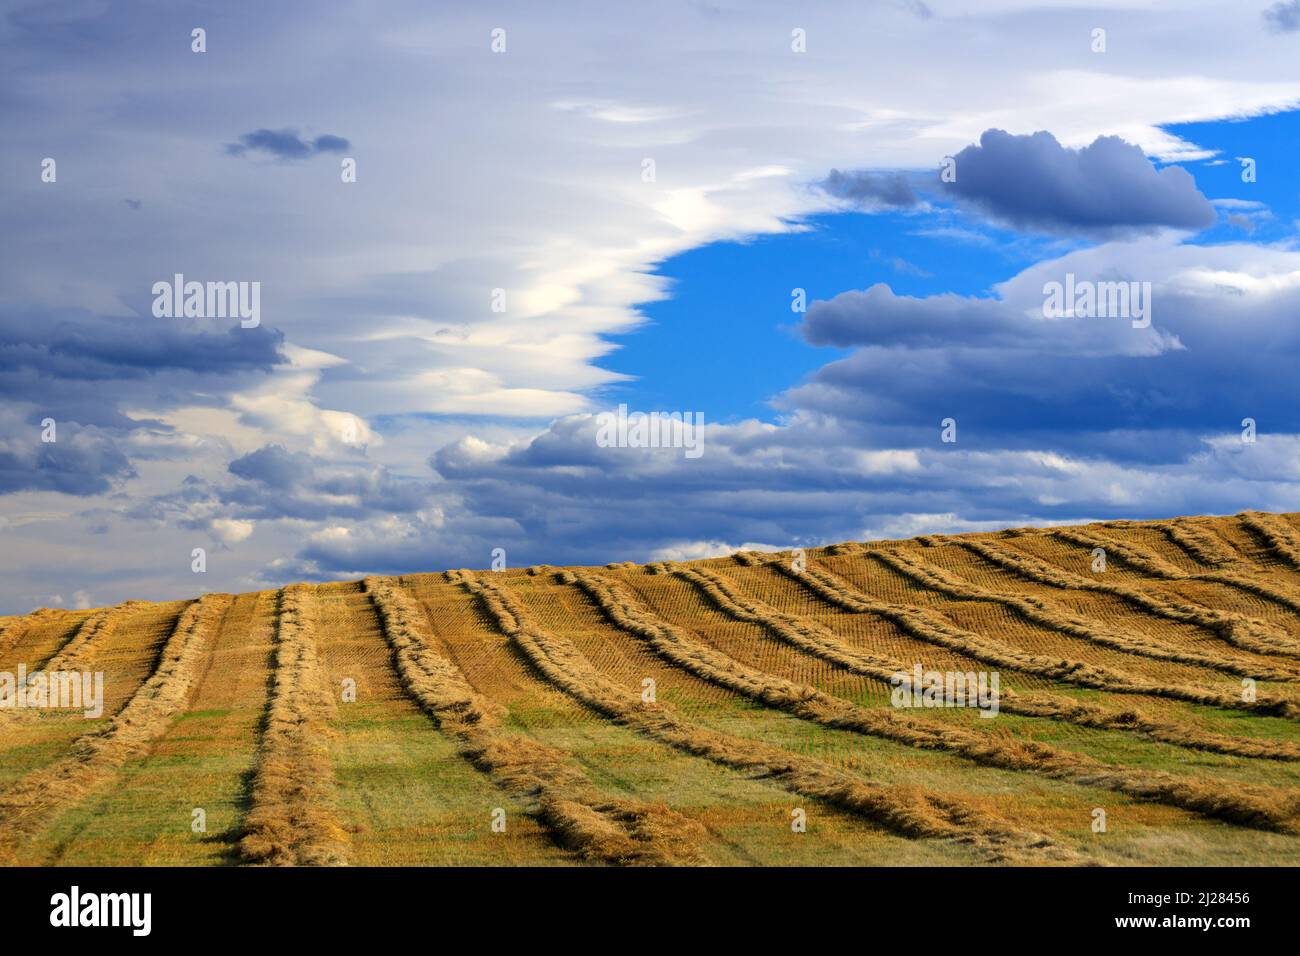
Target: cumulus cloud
83	460
1106	189
92	373
286	144
1087	385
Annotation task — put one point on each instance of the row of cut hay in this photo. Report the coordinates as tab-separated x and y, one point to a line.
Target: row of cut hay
1056	617
1152	565
1247	633
932	628
908	811
1138	558
19	627
1198	541
77	652
1280	537
96	757
557	794
292	819
813	638
1259	807
81	648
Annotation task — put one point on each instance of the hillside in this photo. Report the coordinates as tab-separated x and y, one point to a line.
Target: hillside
691	713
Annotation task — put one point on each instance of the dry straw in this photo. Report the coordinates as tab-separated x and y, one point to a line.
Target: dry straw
1056	617
97	756
1260	807
552	788
1248	633
908	811
816	639
932	628
292	820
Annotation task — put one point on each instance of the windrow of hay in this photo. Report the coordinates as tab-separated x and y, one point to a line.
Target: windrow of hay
1259	807
1198	541
908	811
1277	534
96	757
1148	562
77	652
1056	617
932	628
813	638
1151	564
80	649
553	789
1247	633
18	628
292	819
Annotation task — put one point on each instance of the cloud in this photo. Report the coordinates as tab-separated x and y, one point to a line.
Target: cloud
1016	379
286	144
1104	190
81	461
871	190
94	375
274	466
1283	17
231	531
574	234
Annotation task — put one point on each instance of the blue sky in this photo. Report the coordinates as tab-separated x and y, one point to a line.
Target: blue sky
732	302
438	334
744	347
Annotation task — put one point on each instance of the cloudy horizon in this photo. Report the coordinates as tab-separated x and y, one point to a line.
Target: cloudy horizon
469	231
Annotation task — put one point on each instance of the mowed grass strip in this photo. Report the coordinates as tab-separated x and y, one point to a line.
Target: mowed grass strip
34	739
1056	617
757	813
556	791
747	822
405	794
202	762
1261	807
19	634
27	803
1236	629
908	812
1146	562
813	638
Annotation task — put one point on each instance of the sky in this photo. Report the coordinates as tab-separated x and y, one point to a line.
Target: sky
826	228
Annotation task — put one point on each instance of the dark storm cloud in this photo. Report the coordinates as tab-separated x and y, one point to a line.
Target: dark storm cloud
286	144
81	461
126	347
1107	189
85	371
871	189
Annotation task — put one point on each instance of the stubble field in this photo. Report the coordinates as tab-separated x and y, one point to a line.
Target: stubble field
734	711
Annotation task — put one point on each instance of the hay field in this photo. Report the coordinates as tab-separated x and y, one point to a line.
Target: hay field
732	711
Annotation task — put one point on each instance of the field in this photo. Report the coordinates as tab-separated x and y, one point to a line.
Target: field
732	711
